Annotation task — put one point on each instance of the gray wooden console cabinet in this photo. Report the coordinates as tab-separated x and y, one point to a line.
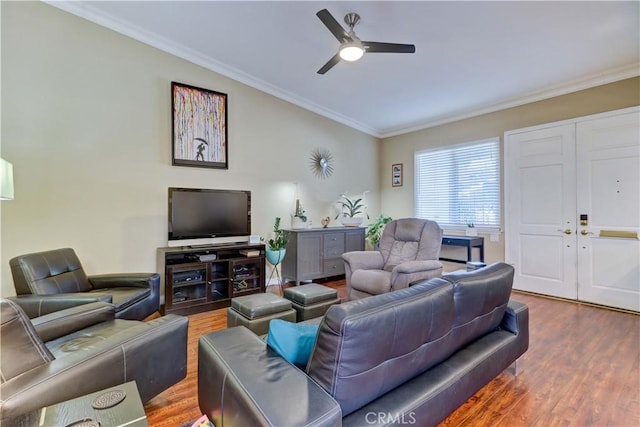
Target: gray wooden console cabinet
316	253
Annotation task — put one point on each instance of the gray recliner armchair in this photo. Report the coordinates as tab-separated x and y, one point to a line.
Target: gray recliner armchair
408	251
81	350
57	279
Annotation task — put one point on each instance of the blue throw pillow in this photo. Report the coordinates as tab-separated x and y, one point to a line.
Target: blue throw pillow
293	341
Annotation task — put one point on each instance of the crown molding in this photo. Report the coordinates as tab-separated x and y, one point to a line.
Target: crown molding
85	11
588	82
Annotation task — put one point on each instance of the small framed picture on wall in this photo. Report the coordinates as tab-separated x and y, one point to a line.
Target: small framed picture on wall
396	175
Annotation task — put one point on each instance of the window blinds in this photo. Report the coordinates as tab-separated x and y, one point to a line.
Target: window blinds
459	185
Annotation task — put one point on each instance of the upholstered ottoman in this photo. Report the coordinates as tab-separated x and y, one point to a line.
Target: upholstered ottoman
257	310
311	300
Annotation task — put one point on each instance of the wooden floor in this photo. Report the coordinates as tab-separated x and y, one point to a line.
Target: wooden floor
582	369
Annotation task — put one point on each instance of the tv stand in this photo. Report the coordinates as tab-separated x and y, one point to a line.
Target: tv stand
194	279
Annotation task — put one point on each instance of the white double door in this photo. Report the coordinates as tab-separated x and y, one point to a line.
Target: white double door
572	208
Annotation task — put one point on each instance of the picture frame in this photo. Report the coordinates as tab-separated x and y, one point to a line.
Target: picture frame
199	127
396	175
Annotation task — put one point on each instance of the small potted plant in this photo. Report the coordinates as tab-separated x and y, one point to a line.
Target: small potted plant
351	208
471	229
375	229
276	246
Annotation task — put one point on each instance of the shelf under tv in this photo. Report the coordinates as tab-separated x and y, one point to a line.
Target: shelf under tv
216	289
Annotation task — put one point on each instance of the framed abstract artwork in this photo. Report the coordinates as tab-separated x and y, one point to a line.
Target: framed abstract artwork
199	127
396	175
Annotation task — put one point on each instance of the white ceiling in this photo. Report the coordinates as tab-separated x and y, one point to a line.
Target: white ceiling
471	57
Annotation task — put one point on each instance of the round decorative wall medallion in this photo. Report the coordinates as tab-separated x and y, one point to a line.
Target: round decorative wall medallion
321	163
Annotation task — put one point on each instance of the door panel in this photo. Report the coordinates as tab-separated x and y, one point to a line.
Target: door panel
540	199
608	173
538	189
613	183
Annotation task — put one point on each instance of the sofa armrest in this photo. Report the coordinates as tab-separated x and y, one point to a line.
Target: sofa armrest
408	273
65	322
364	260
410	267
516	318
40	305
154	354
243	382
140	280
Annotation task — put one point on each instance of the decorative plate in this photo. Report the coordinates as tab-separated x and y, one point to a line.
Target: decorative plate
108	399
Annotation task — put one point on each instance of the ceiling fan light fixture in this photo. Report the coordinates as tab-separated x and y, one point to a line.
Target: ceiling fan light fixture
351	47
351	51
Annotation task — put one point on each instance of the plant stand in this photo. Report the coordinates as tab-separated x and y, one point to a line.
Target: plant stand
275	258
278	276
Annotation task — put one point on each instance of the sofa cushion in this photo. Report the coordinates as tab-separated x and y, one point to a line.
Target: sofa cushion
409	230
293	341
367	347
20	352
49	272
408	239
480	298
401	252
373	282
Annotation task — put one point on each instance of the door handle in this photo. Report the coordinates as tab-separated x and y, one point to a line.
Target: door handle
620	234
565	231
585	232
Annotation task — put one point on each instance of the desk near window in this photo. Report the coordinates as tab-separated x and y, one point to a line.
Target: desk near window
469	242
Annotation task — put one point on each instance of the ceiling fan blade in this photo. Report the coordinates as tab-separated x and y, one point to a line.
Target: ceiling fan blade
329	65
336	29
377	47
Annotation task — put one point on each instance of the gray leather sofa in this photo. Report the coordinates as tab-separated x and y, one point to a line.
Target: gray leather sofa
81	350
410	356
58	275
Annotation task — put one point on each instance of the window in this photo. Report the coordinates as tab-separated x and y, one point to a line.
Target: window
459	185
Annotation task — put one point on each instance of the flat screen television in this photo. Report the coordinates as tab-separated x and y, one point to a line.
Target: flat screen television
198	213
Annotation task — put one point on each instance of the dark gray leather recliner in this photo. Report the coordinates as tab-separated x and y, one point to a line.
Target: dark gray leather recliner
81	350
58	274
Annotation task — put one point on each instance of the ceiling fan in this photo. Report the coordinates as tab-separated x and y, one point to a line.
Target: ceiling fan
351	47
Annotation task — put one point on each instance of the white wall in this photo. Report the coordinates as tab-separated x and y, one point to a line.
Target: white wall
86	122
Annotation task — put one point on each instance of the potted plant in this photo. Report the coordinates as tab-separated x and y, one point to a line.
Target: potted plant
375	229
471	229
276	246
351	208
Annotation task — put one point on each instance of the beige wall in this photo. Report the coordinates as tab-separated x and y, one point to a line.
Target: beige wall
86	122
398	201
